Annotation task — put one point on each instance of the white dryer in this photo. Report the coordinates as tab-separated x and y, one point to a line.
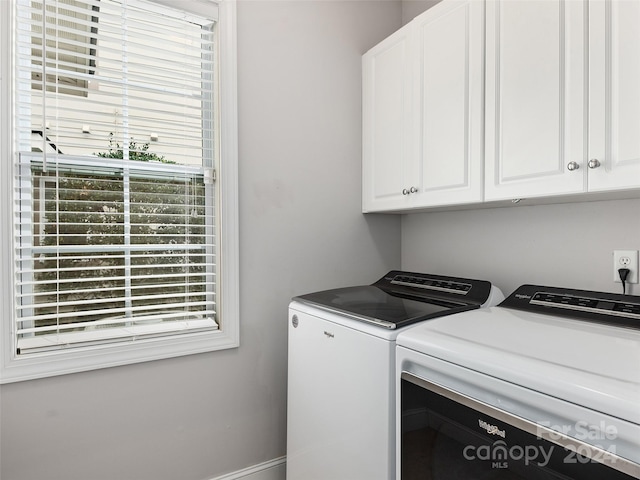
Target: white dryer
544	386
341	377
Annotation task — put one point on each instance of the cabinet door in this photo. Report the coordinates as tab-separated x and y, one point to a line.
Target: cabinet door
386	106
535	98
449	79
614	78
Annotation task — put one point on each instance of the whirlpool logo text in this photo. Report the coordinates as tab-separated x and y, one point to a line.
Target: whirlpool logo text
491	429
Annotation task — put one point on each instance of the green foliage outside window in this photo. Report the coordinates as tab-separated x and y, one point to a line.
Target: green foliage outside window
136	153
83	208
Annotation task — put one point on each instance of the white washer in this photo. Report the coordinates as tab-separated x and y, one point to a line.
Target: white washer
341	398
549	369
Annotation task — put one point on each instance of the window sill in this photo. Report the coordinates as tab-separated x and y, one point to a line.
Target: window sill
62	362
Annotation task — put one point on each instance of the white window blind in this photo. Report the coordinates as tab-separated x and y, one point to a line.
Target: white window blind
115	211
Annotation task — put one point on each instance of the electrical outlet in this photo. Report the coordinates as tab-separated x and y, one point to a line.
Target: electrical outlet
625	259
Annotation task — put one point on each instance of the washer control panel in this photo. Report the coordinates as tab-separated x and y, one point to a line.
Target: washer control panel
426	285
431	284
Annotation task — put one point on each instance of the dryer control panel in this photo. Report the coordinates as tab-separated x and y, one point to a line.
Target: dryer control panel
581	304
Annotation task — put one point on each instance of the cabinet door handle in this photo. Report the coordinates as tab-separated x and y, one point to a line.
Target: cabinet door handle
573	166
594	163
405	191
413	190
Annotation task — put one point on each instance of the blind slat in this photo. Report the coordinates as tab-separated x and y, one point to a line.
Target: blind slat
112	278
137	288
183	297
109	312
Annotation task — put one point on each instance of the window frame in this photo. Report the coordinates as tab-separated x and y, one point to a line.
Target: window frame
37	365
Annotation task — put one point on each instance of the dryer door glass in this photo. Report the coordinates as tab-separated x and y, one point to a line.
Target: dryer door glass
445	438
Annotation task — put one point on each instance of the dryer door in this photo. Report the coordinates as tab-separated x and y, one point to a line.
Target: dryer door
446	435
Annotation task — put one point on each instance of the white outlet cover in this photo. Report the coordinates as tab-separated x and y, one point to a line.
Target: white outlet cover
625	259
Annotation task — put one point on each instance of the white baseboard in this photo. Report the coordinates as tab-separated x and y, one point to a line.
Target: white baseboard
271	470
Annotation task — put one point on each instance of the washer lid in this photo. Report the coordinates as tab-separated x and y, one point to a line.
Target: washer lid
401	298
589	364
381	307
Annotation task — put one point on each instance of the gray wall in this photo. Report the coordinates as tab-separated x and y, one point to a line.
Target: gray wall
200	416
413	8
567	245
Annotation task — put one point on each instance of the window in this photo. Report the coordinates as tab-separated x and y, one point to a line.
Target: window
121	189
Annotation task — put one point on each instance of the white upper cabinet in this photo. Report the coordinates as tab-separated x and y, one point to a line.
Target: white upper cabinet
422	111
478	101
614	95
562	97
535	98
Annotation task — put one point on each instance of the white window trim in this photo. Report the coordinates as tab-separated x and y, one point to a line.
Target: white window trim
14	368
